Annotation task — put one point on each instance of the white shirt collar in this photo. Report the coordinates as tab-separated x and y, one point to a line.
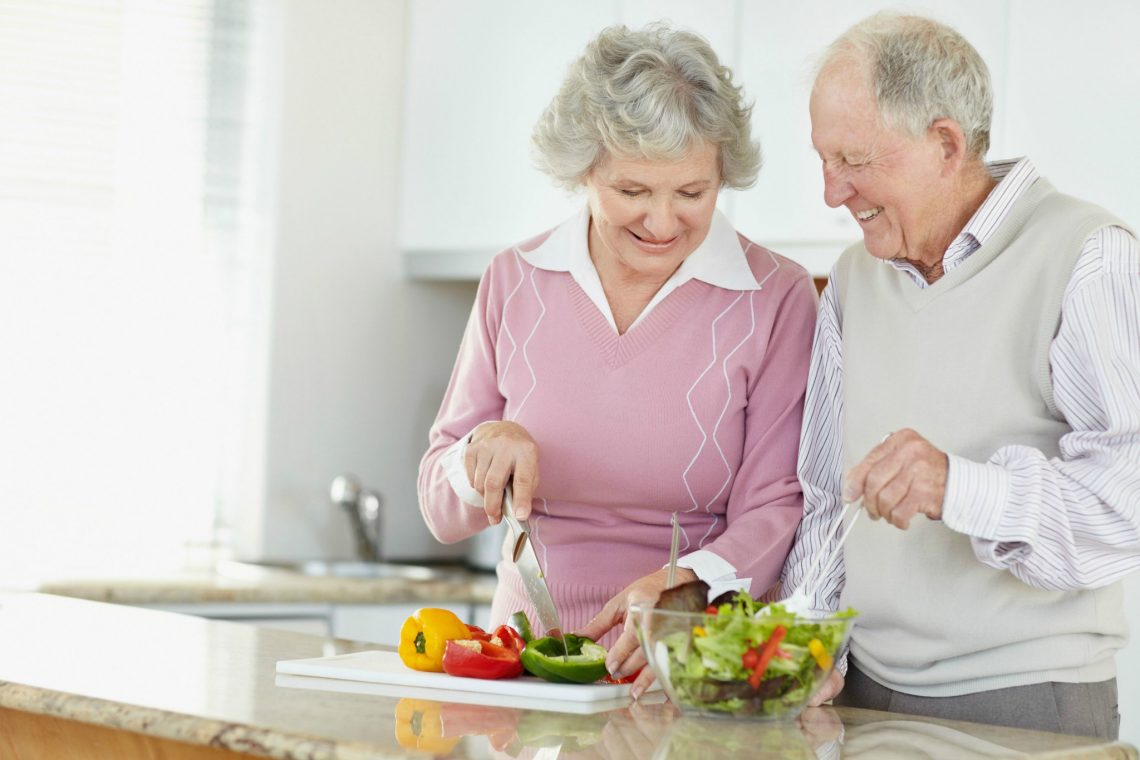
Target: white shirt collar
719	260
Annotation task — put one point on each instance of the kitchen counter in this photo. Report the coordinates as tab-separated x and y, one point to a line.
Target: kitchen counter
126	682
251	586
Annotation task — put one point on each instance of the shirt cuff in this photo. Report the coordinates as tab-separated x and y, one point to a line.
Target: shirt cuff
709	566
456	472
975	497
716	571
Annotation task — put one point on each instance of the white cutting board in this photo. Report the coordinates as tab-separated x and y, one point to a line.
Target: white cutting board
386	668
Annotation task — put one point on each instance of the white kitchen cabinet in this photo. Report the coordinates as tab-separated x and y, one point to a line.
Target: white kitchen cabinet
374	623
380	624
315	619
481	616
780	44
478	76
1073	99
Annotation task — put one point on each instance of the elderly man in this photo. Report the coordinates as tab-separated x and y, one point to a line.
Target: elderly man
975	381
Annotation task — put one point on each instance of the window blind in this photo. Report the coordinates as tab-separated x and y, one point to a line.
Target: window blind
132	277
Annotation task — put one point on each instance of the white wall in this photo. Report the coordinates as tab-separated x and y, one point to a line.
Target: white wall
359	357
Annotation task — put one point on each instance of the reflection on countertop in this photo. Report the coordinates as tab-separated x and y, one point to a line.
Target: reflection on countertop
653	729
168	677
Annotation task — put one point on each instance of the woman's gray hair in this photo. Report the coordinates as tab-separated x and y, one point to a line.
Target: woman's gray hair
650	93
920	70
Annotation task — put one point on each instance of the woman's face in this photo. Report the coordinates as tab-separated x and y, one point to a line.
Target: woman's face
647	216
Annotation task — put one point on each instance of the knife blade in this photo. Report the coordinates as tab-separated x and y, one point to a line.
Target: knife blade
533	579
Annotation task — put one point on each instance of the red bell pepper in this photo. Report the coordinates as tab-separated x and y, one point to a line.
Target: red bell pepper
480	659
767	652
510	638
624	679
478	633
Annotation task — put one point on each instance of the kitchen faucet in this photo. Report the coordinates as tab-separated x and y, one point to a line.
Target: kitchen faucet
363	508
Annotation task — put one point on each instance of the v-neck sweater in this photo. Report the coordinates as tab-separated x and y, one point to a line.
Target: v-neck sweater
696	409
965	362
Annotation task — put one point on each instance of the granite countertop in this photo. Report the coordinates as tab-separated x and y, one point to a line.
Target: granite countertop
213	684
243	583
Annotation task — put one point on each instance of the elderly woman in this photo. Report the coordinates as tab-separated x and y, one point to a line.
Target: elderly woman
639	360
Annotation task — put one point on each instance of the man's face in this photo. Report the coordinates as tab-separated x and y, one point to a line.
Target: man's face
891	182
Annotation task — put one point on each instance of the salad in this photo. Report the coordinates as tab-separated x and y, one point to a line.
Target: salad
742	656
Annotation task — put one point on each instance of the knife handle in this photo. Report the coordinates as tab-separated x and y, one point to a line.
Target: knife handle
517	526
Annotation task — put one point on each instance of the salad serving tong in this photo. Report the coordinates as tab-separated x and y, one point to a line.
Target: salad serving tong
825	560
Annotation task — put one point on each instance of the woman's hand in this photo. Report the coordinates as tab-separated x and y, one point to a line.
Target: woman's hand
501	453
625	655
830	689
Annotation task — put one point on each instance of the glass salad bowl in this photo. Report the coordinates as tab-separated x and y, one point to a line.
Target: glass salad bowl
740	658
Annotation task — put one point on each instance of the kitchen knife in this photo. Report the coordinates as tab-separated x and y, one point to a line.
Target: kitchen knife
532	576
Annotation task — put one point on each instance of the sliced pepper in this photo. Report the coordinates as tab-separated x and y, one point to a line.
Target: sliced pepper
522	624
822	658
624	679
480	659
767	652
585	661
478	633
510	637
424	636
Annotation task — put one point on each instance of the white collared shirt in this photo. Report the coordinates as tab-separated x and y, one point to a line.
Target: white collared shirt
718	260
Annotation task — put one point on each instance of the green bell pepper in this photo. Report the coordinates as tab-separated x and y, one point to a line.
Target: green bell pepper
585	661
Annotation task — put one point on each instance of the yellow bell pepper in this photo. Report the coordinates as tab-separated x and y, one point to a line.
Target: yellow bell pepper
419	725
424	636
822	658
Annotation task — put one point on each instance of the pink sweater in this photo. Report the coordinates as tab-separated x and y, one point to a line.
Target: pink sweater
695	409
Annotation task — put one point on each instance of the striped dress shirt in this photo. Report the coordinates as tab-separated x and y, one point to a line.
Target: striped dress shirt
1066	523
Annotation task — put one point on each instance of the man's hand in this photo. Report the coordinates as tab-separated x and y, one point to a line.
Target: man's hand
625	656
501	453
903	476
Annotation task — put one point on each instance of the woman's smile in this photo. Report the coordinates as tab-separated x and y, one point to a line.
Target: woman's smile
652	245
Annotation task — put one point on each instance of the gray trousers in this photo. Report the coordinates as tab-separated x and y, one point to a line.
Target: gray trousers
1083	709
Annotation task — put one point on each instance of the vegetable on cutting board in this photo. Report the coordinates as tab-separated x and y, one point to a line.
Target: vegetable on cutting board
481	659
424	637
522	624
585	661
436	640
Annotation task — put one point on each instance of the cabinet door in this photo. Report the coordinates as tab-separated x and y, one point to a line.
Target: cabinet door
479	75
779	47
481	616
380	624
1074	96
314	619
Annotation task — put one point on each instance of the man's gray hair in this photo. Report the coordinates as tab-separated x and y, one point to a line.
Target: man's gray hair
920	70
651	93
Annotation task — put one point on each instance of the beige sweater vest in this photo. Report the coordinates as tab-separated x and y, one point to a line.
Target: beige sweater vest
965	362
